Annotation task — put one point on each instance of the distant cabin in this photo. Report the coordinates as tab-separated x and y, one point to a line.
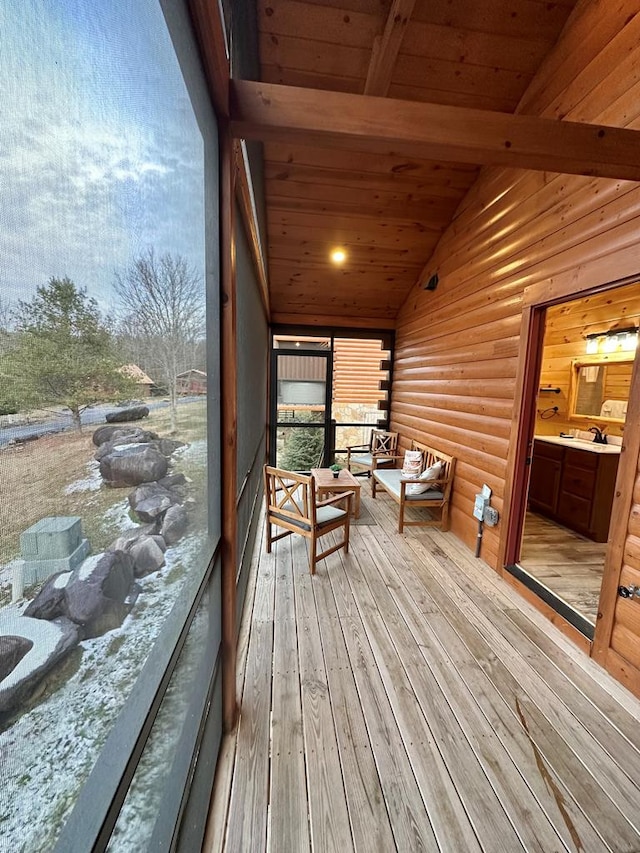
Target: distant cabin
191	382
144	383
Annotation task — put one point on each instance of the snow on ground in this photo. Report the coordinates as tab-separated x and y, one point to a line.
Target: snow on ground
89	484
47	754
118	516
196	451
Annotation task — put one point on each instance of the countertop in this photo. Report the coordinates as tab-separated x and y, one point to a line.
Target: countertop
580	444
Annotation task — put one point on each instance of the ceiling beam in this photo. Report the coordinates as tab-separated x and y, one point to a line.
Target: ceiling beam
386	48
287	114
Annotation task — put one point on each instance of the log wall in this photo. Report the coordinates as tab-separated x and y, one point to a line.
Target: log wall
457	348
356	371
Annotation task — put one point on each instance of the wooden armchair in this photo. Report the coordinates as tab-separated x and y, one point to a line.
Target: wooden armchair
381	448
292	504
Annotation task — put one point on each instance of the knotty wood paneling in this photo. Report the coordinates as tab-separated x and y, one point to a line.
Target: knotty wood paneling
566	327
513	231
451	52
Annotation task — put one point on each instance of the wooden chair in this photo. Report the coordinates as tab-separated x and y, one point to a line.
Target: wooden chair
437	497
292	504
381	448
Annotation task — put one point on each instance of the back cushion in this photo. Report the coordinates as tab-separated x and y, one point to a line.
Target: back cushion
425	480
412	464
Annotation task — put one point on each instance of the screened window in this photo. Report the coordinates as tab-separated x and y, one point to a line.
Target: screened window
108	404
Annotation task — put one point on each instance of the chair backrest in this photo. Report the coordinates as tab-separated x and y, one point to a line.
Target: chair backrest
290	495
430	457
383	443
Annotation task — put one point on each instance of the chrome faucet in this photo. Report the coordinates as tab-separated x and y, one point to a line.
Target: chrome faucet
599	436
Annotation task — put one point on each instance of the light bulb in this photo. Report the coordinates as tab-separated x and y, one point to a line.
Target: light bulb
592	346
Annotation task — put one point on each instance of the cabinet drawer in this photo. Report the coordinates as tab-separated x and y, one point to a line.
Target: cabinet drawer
575	511
578	481
550	451
581	458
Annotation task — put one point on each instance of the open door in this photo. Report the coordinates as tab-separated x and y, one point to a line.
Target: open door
615	628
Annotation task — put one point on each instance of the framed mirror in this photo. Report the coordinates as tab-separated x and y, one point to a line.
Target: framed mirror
599	388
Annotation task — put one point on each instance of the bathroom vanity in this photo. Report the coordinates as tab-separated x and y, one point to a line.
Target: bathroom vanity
572	482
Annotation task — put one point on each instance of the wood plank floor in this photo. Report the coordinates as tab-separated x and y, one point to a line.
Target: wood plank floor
405	698
570	565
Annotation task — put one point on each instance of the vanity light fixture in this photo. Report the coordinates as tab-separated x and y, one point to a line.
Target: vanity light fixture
613	340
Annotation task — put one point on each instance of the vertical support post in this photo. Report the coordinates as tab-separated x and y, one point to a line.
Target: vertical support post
229	418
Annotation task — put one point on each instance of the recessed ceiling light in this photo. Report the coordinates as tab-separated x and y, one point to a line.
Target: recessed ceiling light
338	256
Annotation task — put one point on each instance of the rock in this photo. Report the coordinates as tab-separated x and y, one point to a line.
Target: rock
172	480
29	649
96	596
130	433
129	537
135	413
133	465
174	524
167	446
150	501
159	540
147	556
49	603
12	650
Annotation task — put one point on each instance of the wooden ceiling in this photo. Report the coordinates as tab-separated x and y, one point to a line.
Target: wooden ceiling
387	210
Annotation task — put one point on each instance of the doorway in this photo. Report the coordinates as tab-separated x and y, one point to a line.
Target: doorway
327	392
581	355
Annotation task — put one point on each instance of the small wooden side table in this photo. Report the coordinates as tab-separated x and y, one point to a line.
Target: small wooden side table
327	484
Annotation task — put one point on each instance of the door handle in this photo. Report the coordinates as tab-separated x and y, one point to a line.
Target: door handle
629	591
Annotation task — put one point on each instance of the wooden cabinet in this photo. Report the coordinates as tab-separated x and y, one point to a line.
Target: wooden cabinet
573	486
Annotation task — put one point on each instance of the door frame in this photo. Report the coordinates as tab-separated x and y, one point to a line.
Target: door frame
536	299
327	355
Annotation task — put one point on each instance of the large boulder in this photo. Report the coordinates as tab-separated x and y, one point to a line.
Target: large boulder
29	649
135	413
115	432
147	555
167	446
150	501
133	465
49	603
174	524
97	596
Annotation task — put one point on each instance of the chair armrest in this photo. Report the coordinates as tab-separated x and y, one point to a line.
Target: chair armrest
374	459
356	447
336	499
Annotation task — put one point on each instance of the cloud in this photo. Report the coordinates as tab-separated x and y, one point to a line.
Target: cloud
94	166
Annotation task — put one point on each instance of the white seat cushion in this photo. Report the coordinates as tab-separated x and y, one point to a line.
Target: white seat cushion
390	479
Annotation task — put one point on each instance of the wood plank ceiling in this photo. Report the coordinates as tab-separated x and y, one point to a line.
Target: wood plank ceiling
386	211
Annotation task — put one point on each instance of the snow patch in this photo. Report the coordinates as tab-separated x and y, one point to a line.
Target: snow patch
89	484
118	516
88	566
194	452
62	580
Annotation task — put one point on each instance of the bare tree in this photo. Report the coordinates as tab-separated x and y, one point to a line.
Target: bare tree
162	308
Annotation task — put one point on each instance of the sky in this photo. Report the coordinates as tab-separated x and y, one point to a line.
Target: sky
100	153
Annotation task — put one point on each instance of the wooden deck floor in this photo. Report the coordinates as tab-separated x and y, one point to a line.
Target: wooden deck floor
405	698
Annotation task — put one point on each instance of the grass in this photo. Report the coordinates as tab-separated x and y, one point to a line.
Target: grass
33	478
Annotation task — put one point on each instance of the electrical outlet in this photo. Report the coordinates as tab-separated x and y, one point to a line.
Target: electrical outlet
491	516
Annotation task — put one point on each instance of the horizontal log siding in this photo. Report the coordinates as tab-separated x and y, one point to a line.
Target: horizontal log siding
456	354
356	371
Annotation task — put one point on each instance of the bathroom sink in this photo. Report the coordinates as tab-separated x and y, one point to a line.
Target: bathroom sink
582	443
